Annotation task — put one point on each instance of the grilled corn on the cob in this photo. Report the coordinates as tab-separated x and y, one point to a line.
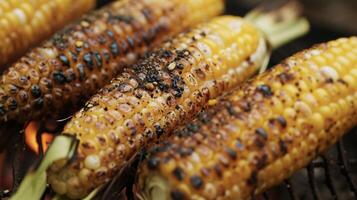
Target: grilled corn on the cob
24	24
167	88
164	90
86	55
257	136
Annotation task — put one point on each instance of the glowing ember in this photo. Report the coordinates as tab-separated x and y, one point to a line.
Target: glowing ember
30	137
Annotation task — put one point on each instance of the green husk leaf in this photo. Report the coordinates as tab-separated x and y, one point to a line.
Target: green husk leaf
34	184
280	25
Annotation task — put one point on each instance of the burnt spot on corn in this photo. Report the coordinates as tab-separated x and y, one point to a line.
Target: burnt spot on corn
59	77
261	161
64	59
2	110
262	133
261	137
285	77
245	106
342	82
60	41
38	103
153	163
124	18
177	195
265	90
253	179
192	127
87	58
81	71
278	121
231	153
13	89
218	170
159	130
185	151
36	91
230	109
98	59
204	117
178	173
282	146
196	181
282	121
114	49
12	104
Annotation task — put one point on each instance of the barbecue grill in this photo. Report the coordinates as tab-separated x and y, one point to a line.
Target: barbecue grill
332	175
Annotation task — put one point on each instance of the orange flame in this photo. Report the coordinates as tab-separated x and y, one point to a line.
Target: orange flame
30	137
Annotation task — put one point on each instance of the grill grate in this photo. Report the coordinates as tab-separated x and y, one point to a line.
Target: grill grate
330	176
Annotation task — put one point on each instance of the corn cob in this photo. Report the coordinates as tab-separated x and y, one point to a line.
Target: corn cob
82	58
169	86
258	136
24	24
162	91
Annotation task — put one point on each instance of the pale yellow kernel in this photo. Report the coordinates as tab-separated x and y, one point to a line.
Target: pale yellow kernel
291	90
170	166
329	56
320	60
59	187
289	113
344	61
288	162
278	167
329	72
343	104
317	121
351	81
84	176
212	46
212	102
209	190
92	162
337	51
303	108
321	95
28	10
171	66
277	105
216	39
310	100
184	188
313	141
204	48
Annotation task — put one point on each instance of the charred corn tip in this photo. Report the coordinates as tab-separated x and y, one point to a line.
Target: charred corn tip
23	24
144	103
261	134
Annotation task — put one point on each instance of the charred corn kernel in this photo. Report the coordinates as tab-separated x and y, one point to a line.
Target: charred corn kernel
76	62
247	158
163	90
24	24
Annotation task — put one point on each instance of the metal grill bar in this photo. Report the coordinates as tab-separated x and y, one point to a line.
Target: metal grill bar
345	170
329	182
311	175
290	189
